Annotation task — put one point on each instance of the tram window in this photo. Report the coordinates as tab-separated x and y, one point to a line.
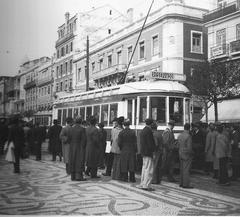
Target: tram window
59	117
75	112
134	118
158	109
70	113
82	113
187	111
64	116
96	112
113	112
129	111
89	112
143	110
176	110
104	114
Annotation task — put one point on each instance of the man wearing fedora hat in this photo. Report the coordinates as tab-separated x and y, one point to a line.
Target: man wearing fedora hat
169	144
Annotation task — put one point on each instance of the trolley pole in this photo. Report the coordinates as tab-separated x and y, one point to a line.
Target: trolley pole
87	66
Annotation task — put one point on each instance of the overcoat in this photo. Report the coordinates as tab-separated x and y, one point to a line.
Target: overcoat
236	148
210	145
64	136
147	144
93	147
127	142
77	141
55	146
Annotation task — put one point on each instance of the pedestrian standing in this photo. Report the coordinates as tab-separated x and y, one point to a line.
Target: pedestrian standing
185	156
54	140
103	144
127	142
3	134
157	155
16	135
169	144
77	141
147	147
64	136
92	148
222	152
235	142
38	138
116	172
110	156
209	148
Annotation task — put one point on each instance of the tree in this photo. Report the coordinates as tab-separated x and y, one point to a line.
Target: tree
216	80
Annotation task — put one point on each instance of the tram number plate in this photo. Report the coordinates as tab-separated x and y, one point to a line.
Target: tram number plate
161	75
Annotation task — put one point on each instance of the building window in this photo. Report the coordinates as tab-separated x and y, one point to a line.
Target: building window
238	31
66	49
57	71
119	57
57	53
66	85
79	74
61	86
62	51
93	66
71	66
61	70
196	42
71	47
101	64
130	51
155	45
70	84
109	60
141	50
66	67
48	89
221	37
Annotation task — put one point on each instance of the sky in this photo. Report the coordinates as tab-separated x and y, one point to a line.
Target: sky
29	27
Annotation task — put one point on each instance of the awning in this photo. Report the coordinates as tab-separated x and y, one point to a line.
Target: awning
228	111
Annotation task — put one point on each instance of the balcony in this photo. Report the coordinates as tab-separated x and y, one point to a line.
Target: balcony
220	12
29	85
64	38
109	71
43	81
219	51
235	47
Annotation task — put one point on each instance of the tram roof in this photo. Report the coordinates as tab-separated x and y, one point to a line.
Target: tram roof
161	86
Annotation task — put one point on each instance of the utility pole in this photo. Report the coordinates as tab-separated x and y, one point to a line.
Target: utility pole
87	66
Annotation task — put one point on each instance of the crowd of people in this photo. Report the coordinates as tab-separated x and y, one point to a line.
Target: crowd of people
82	147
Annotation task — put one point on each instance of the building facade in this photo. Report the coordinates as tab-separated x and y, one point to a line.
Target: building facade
173	41
223	25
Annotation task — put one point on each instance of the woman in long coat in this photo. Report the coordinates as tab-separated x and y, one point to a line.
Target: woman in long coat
77	140
93	148
127	142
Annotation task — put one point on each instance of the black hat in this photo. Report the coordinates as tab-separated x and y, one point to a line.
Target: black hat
149	121
120	120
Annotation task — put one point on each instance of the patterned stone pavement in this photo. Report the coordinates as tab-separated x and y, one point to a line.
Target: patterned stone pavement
43	188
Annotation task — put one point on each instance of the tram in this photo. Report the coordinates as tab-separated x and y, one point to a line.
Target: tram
161	100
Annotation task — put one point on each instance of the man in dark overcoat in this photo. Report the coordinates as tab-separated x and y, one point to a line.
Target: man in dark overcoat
127	142
64	136
169	146
185	156
93	147
55	141
77	141
38	138
16	135
103	144
157	155
147	147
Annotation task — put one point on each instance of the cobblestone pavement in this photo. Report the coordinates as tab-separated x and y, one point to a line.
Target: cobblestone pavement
44	188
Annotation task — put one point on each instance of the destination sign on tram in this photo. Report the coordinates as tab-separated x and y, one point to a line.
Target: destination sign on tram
167	76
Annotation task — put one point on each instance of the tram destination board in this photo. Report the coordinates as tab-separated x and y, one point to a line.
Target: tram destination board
167	76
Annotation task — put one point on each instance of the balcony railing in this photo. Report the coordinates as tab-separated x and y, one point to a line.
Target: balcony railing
29	85
46	80
109	71
220	12
219	51
235	47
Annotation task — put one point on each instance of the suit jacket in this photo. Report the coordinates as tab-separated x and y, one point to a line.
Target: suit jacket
210	145
185	145
147	144
16	135
168	140
64	136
